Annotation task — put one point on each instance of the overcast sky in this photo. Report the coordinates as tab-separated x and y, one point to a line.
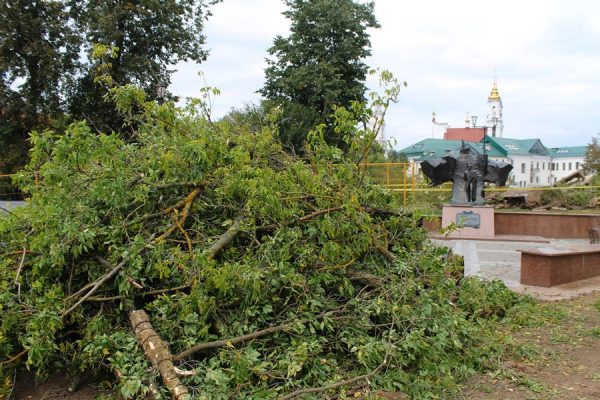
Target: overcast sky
546	55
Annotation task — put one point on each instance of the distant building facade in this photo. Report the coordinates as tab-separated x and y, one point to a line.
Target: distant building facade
533	163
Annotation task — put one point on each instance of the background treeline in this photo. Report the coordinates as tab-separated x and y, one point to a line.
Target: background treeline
59	58
48	68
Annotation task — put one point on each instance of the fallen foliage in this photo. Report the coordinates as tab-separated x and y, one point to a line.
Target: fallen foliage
201	257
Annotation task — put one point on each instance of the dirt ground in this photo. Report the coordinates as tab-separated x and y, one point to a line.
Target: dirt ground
55	388
559	360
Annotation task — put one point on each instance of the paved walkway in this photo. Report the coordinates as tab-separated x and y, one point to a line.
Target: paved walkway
9	205
499	259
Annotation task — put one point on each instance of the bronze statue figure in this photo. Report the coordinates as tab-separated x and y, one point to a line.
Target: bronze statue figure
467	171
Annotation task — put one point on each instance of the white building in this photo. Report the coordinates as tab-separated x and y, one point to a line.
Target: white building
533	163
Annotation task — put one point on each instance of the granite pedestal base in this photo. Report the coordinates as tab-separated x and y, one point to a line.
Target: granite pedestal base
472	222
549	266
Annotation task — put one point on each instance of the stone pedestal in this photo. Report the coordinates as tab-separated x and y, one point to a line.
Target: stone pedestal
472	222
548	266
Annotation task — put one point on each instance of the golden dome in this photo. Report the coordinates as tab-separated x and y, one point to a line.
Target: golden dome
494	93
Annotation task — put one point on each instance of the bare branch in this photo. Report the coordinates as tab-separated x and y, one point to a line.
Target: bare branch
97	283
224	239
244	338
144	294
306	218
184	214
17	284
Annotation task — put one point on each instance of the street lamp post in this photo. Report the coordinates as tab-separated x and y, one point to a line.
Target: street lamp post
485	128
161	92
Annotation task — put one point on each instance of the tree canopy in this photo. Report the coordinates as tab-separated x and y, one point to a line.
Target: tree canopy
148	38
319	65
39	51
48	68
591	162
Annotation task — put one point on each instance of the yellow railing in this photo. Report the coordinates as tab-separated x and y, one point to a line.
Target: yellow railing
409	182
8	190
403	178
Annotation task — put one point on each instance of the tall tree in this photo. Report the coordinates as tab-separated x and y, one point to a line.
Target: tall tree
39	49
149	37
591	162
319	65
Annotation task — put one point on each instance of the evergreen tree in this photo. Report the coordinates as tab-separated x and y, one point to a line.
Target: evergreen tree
319	65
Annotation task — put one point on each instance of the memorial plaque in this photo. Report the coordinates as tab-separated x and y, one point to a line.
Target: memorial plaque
468	219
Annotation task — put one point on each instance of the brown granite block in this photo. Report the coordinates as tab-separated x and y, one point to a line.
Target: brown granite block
550	267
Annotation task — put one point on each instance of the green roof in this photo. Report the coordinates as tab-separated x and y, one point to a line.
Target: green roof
574	151
428	148
434	147
496	147
520	146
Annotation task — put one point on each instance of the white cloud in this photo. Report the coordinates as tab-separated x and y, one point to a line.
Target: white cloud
546	55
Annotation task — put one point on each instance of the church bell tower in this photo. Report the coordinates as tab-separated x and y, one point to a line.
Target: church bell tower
494	117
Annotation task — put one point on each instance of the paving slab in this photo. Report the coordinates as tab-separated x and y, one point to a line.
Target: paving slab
6	206
499	258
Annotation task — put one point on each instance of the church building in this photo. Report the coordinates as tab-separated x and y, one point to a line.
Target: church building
533	163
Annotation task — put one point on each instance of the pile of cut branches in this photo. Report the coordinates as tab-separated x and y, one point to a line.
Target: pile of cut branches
199	260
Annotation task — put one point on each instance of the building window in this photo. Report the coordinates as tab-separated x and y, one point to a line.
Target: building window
563	166
522	168
537	179
543	166
577	165
569	166
537	165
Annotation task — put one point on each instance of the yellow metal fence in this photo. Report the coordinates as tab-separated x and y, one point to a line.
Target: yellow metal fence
403	178
8	190
407	180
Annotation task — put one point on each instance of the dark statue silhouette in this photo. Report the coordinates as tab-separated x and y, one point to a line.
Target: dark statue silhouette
467	171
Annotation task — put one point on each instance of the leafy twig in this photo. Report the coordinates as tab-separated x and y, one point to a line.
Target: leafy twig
244	338
301	392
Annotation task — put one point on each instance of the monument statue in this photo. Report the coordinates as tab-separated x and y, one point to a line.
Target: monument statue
467	171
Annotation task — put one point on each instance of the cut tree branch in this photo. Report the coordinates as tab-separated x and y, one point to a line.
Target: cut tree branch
224	239
158	352
384	252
